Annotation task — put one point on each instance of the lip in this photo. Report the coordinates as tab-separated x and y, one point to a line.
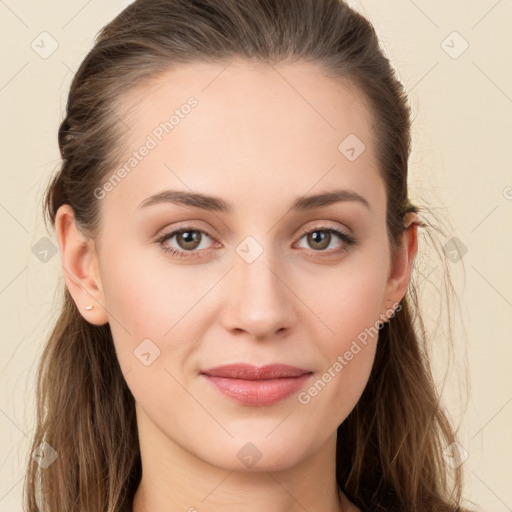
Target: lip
257	386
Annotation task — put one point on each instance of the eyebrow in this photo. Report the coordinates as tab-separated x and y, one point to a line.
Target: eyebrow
216	204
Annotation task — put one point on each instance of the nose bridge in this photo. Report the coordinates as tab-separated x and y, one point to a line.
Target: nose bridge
259	300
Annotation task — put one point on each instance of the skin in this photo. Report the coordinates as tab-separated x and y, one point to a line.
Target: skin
259	137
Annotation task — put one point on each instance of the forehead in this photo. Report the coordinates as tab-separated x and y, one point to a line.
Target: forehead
250	95
254	127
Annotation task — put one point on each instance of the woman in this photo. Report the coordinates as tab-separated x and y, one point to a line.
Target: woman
237	242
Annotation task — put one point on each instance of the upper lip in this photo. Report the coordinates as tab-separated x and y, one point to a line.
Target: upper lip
251	372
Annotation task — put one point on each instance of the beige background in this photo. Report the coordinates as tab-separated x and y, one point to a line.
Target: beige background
461	164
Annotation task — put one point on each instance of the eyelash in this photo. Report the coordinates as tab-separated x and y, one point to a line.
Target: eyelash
344	237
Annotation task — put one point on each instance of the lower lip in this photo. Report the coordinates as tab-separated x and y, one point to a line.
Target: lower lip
258	392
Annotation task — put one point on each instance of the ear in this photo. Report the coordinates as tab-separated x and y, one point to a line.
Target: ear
80	265
402	261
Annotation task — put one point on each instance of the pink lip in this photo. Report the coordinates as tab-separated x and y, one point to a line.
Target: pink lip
257	386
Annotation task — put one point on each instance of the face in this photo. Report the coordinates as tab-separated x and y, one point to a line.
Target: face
251	277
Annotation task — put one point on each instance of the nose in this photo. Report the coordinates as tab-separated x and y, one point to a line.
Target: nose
260	298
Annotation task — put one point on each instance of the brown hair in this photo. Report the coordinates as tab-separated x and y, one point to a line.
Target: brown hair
389	452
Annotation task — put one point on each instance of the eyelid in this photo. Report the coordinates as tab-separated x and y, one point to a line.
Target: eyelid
184	226
324	227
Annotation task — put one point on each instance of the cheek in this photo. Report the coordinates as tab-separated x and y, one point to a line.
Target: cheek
350	306
356	307
349	300
137	300
147	298
148	321
354	319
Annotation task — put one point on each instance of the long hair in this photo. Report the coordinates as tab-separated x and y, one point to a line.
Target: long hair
390	447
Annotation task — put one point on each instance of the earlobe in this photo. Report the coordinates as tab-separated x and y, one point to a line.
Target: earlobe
79	263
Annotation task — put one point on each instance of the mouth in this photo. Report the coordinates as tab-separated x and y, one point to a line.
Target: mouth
257	386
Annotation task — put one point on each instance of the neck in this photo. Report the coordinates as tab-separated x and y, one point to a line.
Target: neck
173	479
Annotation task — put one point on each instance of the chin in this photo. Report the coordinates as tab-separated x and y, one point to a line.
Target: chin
257	453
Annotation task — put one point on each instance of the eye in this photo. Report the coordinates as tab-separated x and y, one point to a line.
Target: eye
189	241
321	237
